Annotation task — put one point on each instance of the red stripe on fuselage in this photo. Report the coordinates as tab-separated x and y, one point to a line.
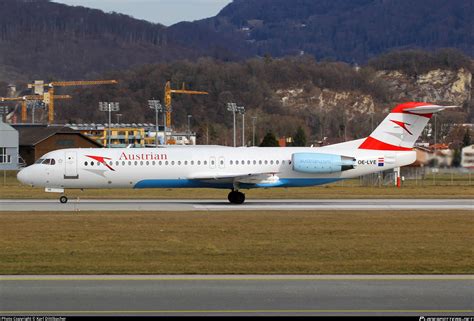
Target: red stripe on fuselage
375	144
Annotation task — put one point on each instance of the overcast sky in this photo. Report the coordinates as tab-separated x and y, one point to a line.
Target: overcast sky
166	12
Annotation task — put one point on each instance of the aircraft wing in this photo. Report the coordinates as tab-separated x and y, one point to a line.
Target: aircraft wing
258	178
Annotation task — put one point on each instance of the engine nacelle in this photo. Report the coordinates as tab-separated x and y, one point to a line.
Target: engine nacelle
318	163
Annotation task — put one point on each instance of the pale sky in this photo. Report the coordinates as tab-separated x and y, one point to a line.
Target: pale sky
166	12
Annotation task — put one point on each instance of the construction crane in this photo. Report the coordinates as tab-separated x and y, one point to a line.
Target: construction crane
169	91
25	99
49	96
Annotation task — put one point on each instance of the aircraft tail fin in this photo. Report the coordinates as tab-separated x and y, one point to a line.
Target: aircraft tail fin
402	127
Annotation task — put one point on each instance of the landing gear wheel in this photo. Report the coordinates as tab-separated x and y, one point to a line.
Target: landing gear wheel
236	197
63	199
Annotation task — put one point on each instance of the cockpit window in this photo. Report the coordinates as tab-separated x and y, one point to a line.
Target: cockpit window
53	162
47	161
39	161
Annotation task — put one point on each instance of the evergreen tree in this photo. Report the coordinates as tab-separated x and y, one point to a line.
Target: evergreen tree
457	156
299	139
466	140
269	140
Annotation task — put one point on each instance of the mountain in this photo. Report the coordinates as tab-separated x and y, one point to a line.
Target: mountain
347	30
40	39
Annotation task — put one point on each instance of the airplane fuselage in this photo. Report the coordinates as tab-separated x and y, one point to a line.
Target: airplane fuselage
188	167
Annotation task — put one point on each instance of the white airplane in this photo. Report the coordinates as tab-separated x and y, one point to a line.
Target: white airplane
389	146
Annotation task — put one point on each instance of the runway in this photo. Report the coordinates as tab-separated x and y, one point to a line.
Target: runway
223	205
238	295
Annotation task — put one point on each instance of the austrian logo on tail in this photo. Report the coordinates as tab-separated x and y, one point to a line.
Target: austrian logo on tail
102	160
402	125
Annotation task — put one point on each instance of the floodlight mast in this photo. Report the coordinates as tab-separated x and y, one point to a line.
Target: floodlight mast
241	110
157	107
109	107
233	108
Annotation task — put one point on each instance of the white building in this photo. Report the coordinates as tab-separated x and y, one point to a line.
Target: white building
9	141
467	157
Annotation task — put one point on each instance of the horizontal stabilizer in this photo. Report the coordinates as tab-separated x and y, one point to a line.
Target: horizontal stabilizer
428	109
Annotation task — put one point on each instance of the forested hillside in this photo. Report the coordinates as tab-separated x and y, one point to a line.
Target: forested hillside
328	99
347	30
41	39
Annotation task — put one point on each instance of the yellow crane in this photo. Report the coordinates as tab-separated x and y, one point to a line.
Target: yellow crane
169	92
25	99
49	95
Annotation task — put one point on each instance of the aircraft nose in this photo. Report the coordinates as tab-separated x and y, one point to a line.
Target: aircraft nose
22	176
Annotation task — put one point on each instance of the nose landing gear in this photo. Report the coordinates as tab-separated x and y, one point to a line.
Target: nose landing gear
63	199
236	197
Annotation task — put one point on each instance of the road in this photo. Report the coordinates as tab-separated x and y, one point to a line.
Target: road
250	205
238	295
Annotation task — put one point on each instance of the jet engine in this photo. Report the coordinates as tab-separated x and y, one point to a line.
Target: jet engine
319	163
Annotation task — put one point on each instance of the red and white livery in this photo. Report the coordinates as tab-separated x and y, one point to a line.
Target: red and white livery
389	146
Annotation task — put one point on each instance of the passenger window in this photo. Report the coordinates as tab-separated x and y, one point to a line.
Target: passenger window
172	162
271	162
147	163
136	163
179	162
277	162
231	162
222	162
260	162
185	162
236	162
212	162
129	163
199	162
110	163
160	163
153	163
166	163
266	162
205	162
86	163
116	163
141	163
92	163
192	162
255	162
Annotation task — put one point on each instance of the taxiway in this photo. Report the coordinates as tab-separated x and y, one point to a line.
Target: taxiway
238	295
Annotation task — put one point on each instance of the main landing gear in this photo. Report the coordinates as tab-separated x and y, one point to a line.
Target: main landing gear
236	197
63	199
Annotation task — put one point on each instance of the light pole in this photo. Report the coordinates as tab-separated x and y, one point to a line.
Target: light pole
118	118
254	121
157	107
233	108
189	127
241	110
109	107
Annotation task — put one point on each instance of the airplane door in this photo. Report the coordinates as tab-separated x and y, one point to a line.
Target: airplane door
71	166
212	162
221	162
